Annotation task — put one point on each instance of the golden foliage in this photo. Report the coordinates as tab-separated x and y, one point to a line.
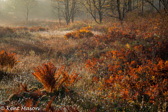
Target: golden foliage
78	34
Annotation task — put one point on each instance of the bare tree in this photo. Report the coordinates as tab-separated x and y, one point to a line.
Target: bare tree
95	7
28	4
165	5
57	10
129	5
24	5
142	6
159	4
118	8
73	10
67	9
163	2
151	2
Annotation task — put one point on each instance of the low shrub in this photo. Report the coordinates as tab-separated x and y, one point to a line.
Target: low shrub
37	28
7	31
78	34
76	25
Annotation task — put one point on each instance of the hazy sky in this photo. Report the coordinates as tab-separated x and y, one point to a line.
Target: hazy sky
43	9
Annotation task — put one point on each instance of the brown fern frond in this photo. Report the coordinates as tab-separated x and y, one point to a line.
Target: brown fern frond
53	78
21	88
29	103
72	78
7	59
45	74
24	87
49	108
65	79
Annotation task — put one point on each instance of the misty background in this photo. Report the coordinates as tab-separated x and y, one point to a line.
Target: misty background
17	11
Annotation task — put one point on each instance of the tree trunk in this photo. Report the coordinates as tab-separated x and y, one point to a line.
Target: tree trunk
100	17
27	14
73	10
133	4
119	11
129	5
159	5
153	4
142	7
67	21
58	11
67	15
124	8
137	2
95	8
100	12
72	18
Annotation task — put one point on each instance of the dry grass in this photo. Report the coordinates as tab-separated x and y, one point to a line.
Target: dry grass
95	59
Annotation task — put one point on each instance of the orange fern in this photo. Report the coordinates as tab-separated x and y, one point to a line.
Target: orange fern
53	78
7	59
45	74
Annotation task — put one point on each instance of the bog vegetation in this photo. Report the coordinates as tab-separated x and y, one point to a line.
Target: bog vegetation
116	66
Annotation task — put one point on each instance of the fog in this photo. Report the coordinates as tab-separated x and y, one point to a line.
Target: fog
12	11
16	11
